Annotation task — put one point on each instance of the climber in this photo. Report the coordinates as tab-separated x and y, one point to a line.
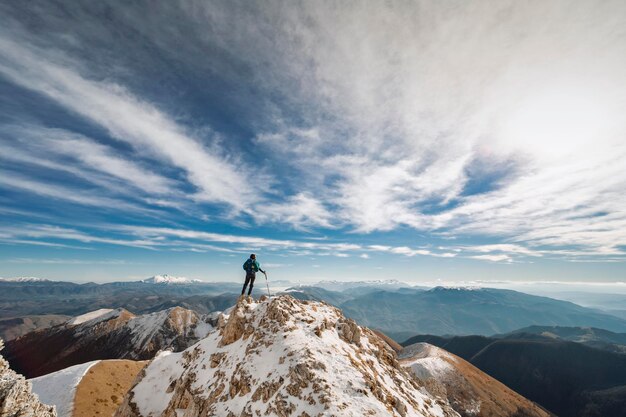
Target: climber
251	266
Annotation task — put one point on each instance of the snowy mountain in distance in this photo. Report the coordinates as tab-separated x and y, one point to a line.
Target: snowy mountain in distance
282	357
169	279
388	284
24	279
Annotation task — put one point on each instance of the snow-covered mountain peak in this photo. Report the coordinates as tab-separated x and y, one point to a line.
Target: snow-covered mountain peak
24	279
386	284
282	357
453	288
169	279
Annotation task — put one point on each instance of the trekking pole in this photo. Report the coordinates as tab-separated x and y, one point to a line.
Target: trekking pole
268	286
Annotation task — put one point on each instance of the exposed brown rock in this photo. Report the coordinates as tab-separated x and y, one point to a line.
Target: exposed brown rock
349	331
235	326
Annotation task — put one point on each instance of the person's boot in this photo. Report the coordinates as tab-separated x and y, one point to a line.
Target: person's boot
250	299
241	297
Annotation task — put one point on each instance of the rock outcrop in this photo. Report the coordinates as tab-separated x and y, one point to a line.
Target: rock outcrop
282	357
16	398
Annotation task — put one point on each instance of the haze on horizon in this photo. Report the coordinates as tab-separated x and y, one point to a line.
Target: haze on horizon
418	141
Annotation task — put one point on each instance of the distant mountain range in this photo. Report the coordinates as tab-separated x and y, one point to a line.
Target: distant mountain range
24	279
42	297
568	378
397	309
468	311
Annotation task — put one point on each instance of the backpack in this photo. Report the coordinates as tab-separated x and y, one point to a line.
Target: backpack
248	266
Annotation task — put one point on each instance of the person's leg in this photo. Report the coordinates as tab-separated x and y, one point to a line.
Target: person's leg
252	278
245	284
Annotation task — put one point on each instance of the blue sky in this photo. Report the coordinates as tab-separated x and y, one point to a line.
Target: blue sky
419	141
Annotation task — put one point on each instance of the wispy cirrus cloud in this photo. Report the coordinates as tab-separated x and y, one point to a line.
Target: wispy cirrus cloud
65	151
129	119
483	122
73	195
170	239
61	261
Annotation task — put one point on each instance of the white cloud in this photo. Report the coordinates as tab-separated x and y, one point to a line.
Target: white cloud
169	239
413	95
65	151
395	106
301	210
493	258
63	233
96	156
129	119
500	247
83	197
68	261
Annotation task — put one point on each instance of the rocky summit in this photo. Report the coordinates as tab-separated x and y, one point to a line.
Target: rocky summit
282	357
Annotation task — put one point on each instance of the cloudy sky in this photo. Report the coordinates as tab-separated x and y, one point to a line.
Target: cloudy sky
420	141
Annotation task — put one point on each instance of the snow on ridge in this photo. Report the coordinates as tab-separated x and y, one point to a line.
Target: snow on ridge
428	361
335	285
169	279
59	388
90	316
186	323
457	288
365	283
24	279
283	356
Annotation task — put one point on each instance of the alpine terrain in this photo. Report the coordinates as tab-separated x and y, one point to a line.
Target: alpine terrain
106	334
470	391
90	389
282	357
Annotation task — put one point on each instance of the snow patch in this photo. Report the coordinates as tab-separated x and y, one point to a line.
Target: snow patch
24	279
59	388
168	279
89	316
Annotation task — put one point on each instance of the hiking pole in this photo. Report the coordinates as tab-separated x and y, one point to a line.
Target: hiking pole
268	285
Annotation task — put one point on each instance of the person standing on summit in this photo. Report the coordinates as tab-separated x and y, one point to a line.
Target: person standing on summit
251	266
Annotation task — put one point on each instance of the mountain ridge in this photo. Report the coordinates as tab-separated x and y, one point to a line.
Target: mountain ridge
279	356
113	334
